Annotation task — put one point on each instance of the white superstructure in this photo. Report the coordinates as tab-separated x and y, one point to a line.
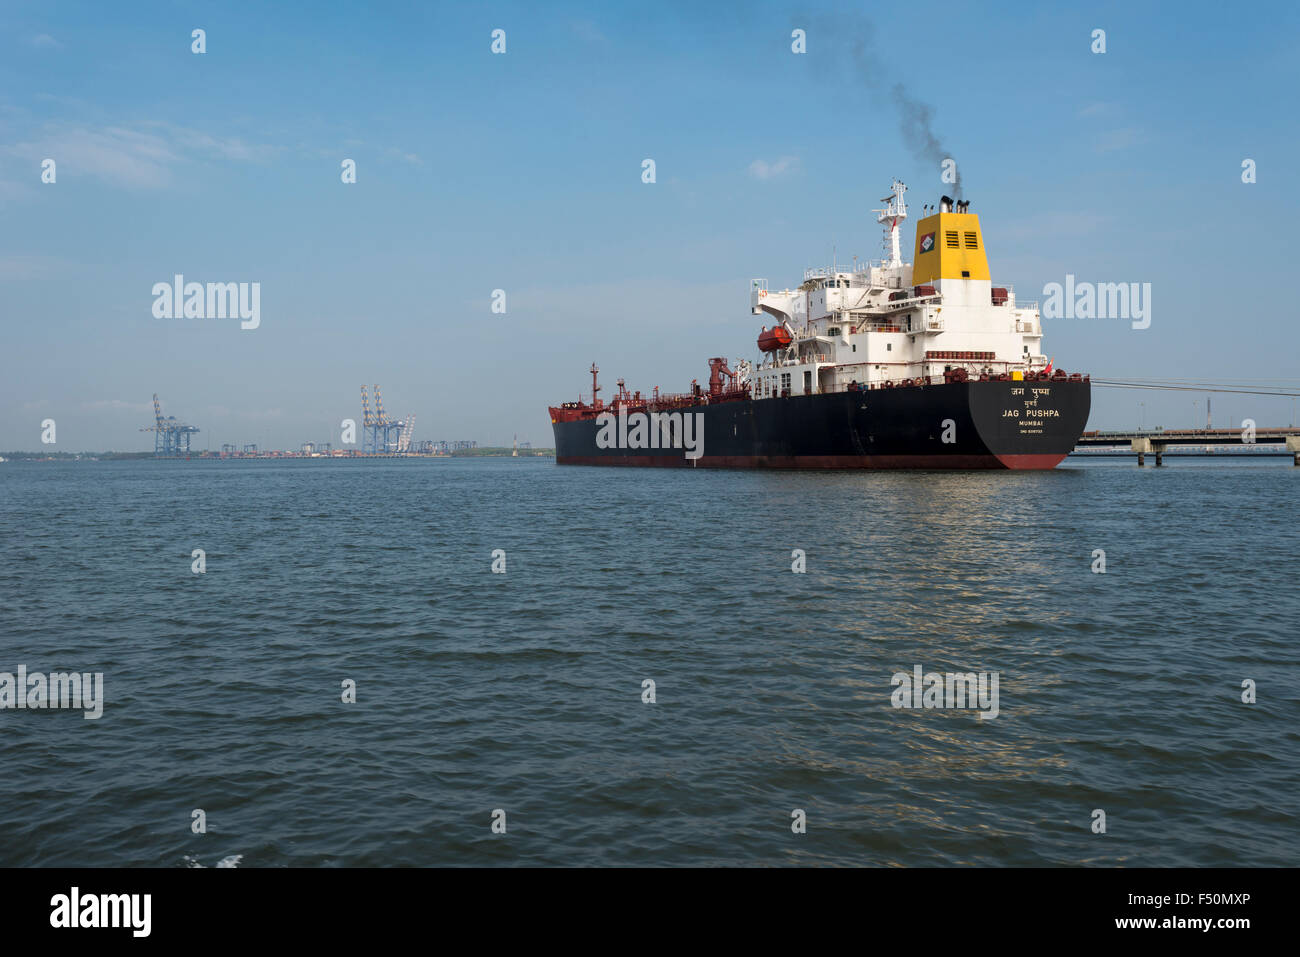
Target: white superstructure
886	323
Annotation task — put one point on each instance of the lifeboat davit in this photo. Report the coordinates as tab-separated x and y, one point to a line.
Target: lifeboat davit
778	337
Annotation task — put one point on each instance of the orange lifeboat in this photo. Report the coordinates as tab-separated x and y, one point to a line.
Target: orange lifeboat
778	337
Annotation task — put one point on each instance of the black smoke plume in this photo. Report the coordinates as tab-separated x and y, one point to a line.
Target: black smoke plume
847	39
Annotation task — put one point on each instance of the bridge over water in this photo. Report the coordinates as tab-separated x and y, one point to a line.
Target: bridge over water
1155	442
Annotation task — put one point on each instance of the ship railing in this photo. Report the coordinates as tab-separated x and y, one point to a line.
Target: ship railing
822	358
908	303
673	400
830	272
934	324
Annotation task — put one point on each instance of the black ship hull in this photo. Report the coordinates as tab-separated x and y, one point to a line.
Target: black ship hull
960	425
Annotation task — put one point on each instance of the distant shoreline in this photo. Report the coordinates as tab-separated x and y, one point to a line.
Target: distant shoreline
269	455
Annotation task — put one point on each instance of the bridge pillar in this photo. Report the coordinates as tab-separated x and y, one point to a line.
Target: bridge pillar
1160	454
1142	447
1293	446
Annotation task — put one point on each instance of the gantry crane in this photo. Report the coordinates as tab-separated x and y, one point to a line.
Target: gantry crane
169	434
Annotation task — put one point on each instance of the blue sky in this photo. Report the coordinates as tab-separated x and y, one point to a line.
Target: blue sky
522	172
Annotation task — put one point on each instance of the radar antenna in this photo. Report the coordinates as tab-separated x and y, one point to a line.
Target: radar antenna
895	212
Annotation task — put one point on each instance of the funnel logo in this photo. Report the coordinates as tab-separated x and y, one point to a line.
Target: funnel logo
927	242
656	430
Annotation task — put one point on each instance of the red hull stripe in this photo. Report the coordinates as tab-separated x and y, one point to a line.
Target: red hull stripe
823	461
1049	461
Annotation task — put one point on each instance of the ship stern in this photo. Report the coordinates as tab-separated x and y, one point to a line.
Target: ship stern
1030	424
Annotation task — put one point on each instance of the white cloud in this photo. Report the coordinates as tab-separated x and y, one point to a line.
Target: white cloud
402	155
1118	139
118	404
349	150
143	157
43	41
256	415
26	266
763	170
1054	223
198	142
587	30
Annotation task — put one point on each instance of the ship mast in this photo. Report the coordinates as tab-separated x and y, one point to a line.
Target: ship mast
895	212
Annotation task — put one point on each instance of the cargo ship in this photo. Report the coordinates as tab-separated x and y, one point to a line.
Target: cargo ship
923	365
